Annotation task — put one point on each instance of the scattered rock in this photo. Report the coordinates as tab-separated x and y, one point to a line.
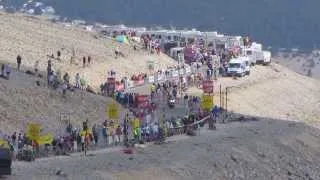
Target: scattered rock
59	172
233	159
241	118
229	137
292	124
262	155
191	133
291	165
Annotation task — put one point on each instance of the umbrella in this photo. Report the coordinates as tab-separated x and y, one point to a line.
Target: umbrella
122	39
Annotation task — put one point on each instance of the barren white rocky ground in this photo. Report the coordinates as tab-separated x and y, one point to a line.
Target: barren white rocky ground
272	91
263	149
303	63
34	37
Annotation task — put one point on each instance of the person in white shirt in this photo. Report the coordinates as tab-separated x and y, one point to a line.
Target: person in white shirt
78	80
155	129
51	78
8	71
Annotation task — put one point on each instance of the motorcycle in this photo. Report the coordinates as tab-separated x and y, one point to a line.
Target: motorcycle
171	102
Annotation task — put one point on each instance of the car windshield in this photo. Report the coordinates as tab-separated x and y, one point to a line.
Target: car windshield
234	65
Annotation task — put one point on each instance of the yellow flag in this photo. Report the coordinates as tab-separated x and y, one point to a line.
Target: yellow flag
207	102
113	111
34	131
45	139
4	144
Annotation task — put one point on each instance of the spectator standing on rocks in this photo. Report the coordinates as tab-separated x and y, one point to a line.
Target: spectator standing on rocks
36	67
19	59
7	70
77	80
105	133
49	70
58	55
84	61
113	134
118	133
89	60
95	134
117	52
64	89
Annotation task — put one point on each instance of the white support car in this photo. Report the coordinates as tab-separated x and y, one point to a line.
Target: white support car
239	66
266	57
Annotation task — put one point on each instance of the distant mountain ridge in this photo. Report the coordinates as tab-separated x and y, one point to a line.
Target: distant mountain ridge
278	23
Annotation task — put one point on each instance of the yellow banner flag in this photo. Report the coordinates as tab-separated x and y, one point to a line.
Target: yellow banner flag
113	111
4	144
46	139
34	131
207	102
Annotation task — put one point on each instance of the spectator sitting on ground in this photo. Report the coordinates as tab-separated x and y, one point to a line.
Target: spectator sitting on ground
90	90
19	59
66	78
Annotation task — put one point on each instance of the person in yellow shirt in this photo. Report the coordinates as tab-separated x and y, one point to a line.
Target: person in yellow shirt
153	90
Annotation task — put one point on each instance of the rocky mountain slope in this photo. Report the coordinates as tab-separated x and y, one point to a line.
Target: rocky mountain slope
22	101
303	63
273	91
34	38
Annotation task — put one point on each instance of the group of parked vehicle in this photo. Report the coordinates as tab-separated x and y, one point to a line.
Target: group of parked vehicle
241	65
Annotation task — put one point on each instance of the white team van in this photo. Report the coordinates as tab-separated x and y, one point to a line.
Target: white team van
239	66
266	57
253	52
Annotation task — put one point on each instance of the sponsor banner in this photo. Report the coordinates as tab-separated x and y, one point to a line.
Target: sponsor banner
151	79
208	86
119	86
207	102
175	73
130	84
142	100
139	82
160	77
111	80
33	132
113	111
188	70
181	71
